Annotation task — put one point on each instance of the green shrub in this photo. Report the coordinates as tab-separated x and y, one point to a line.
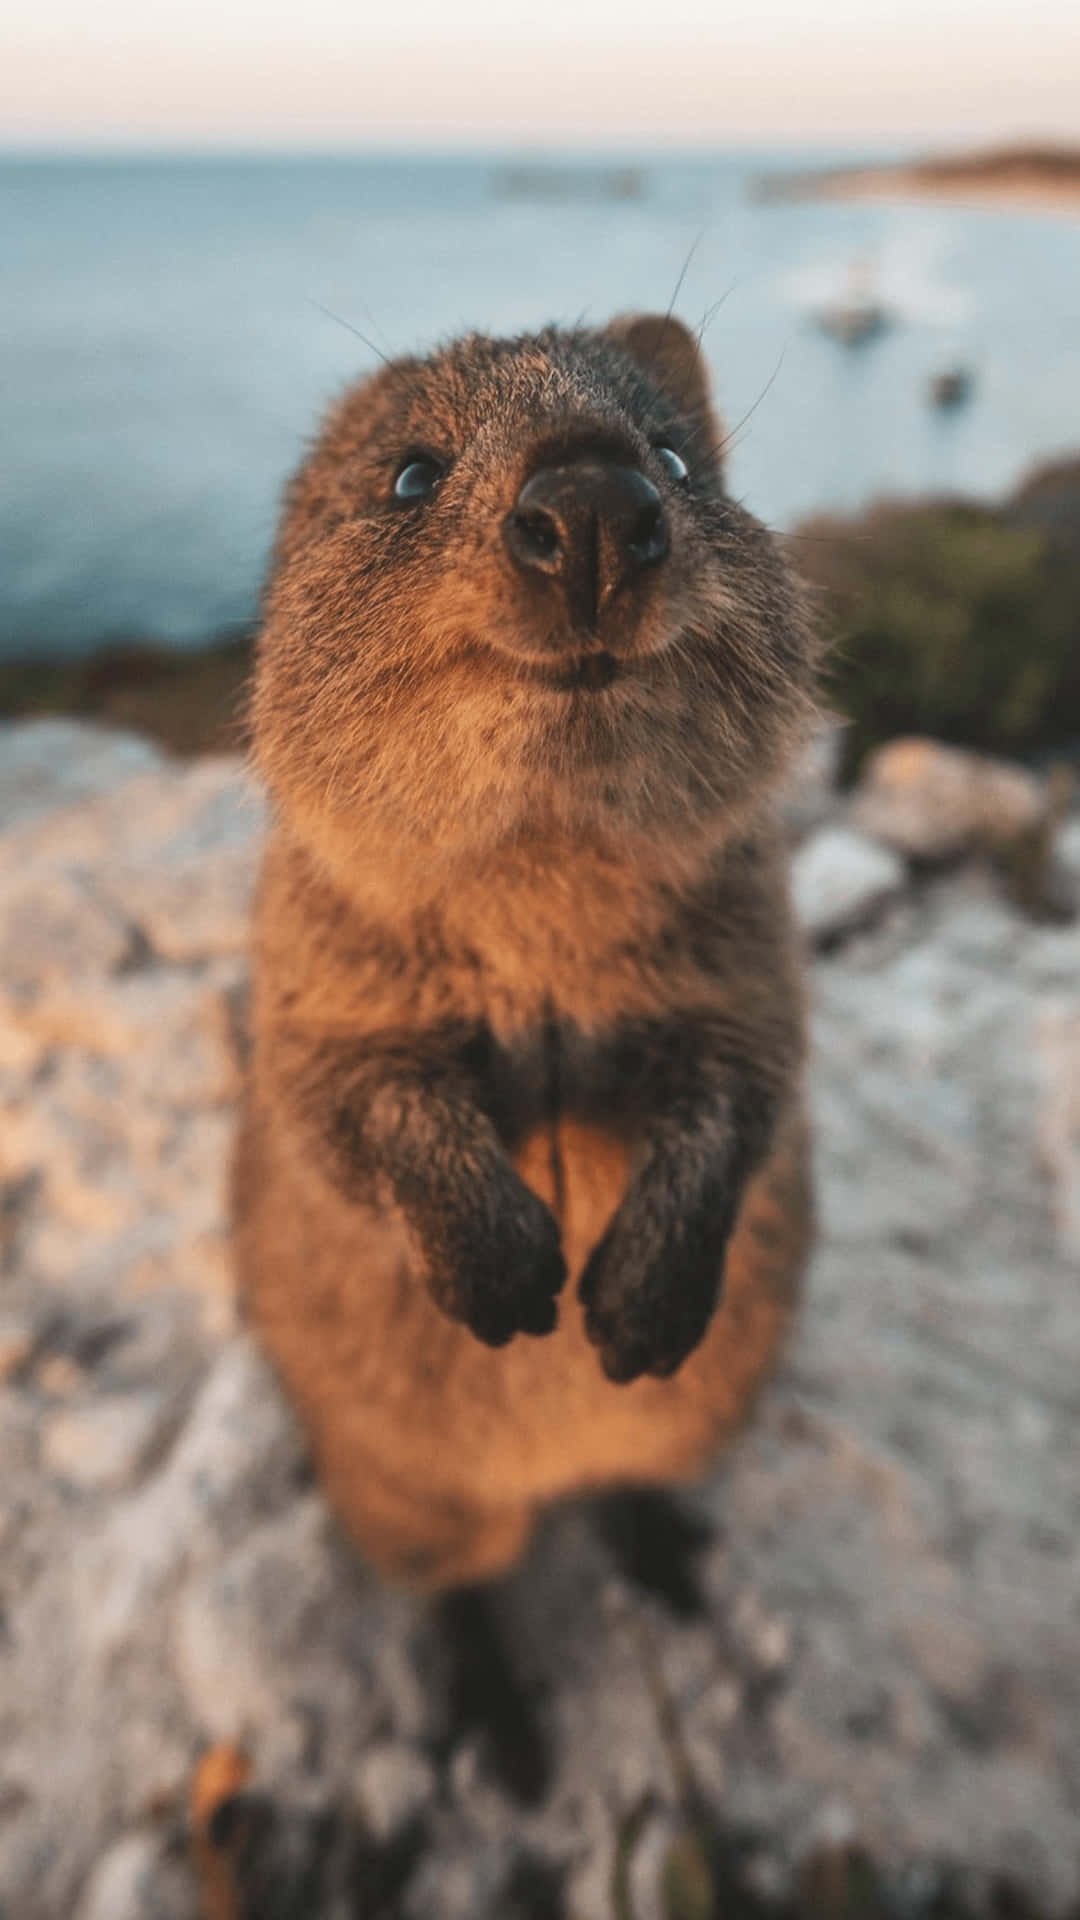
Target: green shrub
951	620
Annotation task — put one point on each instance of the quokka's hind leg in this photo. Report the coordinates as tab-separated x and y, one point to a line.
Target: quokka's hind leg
656	1540
490	1695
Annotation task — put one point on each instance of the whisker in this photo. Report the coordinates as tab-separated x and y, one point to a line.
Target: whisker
682	276
707	319
349	328
750	411
381	331
669	314
711	311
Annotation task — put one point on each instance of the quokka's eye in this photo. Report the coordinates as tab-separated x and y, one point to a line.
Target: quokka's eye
417	478
673	464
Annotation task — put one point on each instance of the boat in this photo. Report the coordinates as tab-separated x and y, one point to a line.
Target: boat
951	387
859	316
541	181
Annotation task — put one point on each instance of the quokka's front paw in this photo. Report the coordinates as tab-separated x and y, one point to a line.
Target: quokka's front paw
499	1265
649	1297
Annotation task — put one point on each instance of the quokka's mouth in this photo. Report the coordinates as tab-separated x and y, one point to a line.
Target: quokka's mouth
588	673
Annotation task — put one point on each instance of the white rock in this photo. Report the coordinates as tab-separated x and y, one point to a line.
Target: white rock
932	802
104	1443
54	930
393	1782
120	1884
840	880
46	764
16	1343
904	1509
187	877
234	1452
226	1691
1057	1031
1067	848
810	797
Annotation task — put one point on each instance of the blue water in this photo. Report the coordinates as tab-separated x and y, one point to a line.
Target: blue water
164	354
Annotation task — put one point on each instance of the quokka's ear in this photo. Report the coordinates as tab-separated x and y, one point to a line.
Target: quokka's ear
671	356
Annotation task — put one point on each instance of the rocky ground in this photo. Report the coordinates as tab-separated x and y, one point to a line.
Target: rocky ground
861	1694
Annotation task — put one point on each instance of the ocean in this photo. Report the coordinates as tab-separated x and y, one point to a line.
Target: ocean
171	327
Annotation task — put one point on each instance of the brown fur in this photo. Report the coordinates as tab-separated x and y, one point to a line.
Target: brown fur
527	994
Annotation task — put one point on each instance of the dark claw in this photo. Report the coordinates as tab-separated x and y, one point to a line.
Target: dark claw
621	1367
647	1309
506	1268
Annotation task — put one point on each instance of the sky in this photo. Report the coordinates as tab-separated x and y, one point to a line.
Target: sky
680	73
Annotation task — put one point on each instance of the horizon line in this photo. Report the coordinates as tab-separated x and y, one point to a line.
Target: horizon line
448	145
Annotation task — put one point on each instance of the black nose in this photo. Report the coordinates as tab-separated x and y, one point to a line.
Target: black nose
592	525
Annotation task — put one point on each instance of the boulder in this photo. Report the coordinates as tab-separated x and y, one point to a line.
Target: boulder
840	880
874	1685
103	1443
45	764
932	802
811	796
1057	1036
1067	850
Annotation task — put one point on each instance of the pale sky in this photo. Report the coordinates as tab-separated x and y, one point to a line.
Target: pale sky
344	73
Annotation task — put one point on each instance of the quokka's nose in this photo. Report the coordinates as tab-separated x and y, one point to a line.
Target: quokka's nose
592	526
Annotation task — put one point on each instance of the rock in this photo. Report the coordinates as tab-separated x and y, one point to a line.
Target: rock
45	764
122	922
841	880
462	1884
16	1344
886	1620
810	796
51	934
187	878
1057	1030
1067	849
932	802
271	1602
236	1452
121	1884
393	1783
104	1443
59	1376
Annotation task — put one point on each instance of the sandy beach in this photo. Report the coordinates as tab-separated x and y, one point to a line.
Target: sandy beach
1044	182
898	185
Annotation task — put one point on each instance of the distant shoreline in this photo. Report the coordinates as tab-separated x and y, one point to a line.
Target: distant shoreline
1028	179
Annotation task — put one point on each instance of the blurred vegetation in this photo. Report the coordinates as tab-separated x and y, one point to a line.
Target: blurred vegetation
954	620
188	701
